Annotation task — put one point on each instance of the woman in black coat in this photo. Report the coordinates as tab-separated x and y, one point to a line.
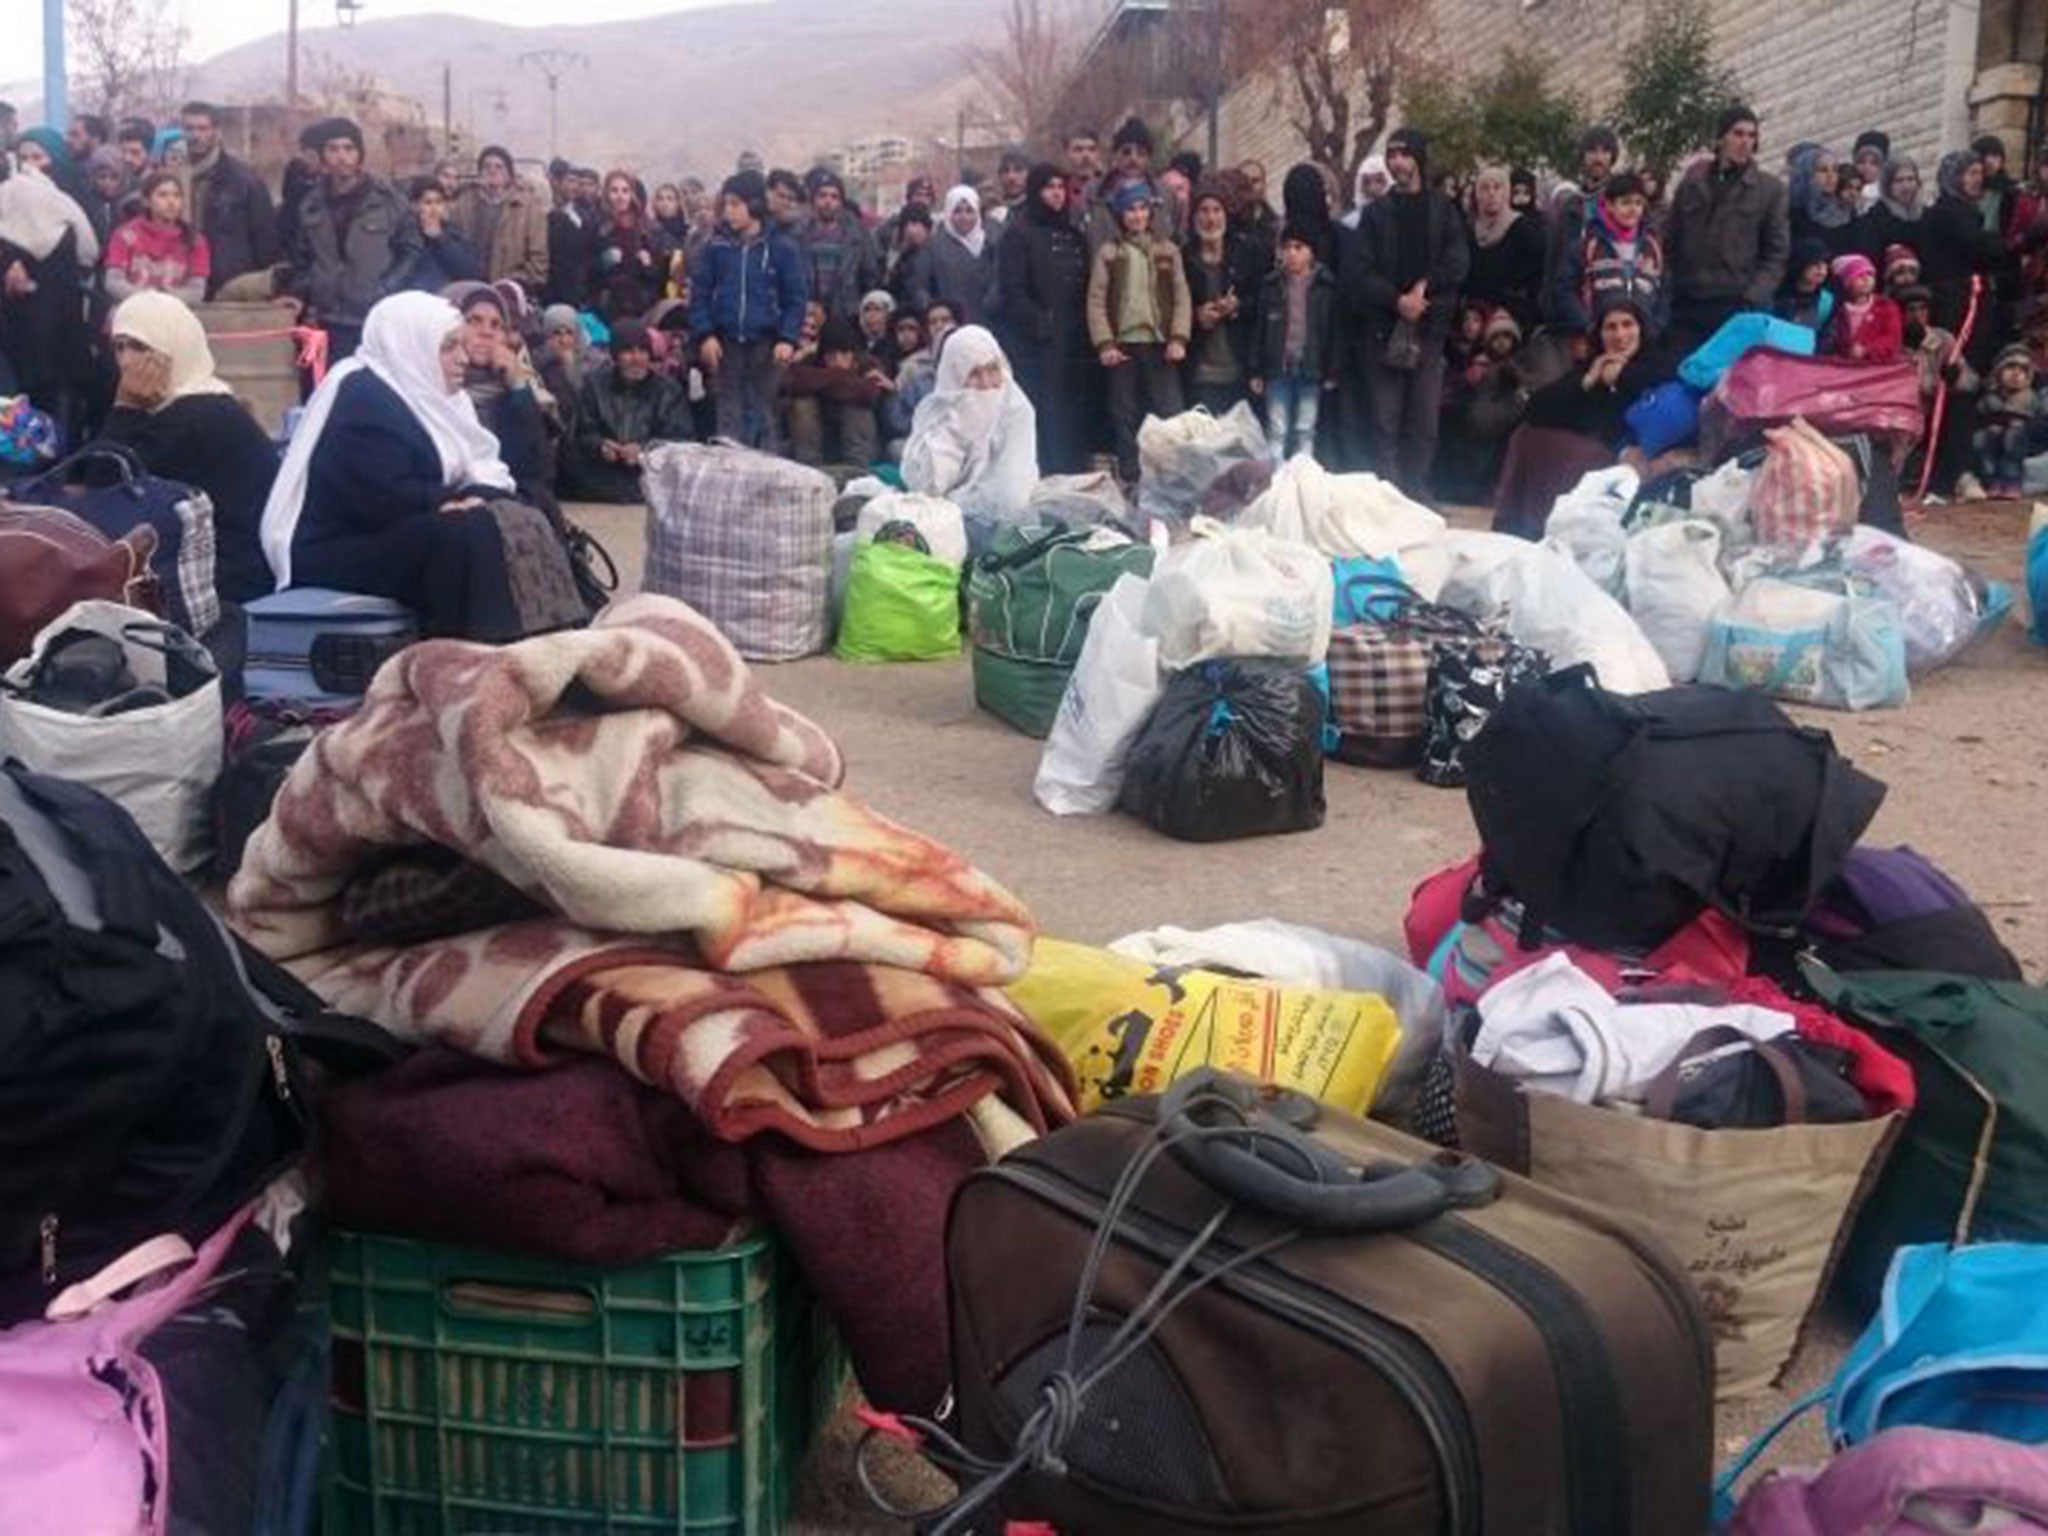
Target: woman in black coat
1224	270
1042	283
1507	251
1956	248
185	425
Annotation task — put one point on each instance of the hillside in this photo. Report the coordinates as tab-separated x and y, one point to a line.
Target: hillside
686	91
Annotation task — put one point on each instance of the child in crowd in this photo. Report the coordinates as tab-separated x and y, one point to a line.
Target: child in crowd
158	251
1867	327
1901	270
1805	299
1139	320
2006	413
832	399
1466	344
1616	258
747	298
1291	362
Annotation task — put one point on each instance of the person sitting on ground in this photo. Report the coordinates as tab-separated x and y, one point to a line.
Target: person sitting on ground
185	424
1867	327
159	252
1901	270
1615	256
434	254
975	437
1577	424
1294	331
2008	423
510	399
877	333
831	400
917	372
907	333
1481	407
392	487
1931	348
1139	320
622	411
1806	298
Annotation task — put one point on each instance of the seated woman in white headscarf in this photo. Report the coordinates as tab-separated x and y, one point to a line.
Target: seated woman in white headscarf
392	486
974	439
185	424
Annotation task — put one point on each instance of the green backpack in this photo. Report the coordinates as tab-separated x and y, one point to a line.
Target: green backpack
1028	604
1972	1163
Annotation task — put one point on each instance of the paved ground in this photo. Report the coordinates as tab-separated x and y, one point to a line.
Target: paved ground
1965	760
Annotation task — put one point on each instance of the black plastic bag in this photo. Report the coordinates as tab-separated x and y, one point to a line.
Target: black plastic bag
1234	749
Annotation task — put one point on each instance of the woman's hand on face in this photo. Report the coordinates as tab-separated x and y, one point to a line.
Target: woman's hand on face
19	283
145	378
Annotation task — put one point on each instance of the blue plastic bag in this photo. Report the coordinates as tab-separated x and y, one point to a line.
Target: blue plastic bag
2037	581
1365	588
1738	334
1664	417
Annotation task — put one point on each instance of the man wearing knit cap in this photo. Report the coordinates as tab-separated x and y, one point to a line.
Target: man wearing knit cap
348	237
1130	165
505	220
1403	273
1730	235
1599	153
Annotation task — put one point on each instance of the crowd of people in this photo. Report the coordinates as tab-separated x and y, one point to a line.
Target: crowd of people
1465	340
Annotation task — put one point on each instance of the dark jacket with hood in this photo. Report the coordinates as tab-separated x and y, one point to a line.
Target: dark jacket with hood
1042	279
1730	237
749	290
1374	260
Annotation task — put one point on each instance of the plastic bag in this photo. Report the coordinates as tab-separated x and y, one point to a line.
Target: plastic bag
1807	489
1663	417
1181	457
1822	639
1586	524
1550	605
1079	501
1115	686
2037	576
901	605
159	762
1240	592
1739	335
937	521
1675	587
1131	1027
1344	517
1234	749
1944	607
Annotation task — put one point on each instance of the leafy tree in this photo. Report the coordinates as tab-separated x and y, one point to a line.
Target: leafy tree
1512	115
1674	89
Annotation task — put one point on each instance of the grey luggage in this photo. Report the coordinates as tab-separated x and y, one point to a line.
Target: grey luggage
318	646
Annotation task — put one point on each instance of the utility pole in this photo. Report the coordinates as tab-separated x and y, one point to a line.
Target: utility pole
447	109
291	57
56	93
553	64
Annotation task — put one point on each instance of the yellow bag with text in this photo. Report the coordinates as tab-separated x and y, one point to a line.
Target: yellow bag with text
1130	1027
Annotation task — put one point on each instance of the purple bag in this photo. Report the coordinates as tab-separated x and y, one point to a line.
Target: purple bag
1907	1481
1892	909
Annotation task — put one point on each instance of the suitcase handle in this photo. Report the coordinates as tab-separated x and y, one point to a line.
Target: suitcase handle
1281	1170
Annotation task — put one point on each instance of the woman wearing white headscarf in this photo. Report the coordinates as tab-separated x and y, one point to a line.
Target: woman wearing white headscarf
963	258
186	425
47	248
390	481
974	439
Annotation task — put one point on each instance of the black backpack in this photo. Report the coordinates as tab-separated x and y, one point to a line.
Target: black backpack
1615	819
150	1076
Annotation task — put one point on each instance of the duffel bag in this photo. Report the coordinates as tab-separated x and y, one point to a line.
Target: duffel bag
1380	666
745	538
1467	684
108	486
1230	1309
51	559
1821	639
1029	600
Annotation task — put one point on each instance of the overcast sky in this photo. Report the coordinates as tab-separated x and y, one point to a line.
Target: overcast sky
221	24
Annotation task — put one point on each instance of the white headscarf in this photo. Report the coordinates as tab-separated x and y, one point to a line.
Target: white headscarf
977	448
1372	168
979	238
401	345
163	324
35	212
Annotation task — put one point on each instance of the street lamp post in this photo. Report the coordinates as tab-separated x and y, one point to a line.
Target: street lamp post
553	64
56	96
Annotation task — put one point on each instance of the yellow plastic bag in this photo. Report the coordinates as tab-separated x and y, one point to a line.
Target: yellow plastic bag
1132	1028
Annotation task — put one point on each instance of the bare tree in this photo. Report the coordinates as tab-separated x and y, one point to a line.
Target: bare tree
132	54
1030	73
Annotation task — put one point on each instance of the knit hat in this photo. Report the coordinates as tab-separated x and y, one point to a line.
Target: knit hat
630	336
1870	138
1297	234
1129	196
1898	261
1134	132
838	335
2014	352
1730	117
1852	266
1501	323
328	129
881	299
560	317
1412	141
751	188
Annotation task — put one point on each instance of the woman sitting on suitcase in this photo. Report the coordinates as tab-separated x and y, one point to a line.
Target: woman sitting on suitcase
185	424
392	486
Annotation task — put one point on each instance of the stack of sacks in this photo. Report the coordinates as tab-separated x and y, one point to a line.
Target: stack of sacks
610	843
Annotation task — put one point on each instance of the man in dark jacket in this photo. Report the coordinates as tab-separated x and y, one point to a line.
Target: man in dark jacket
1403	274
569	237
1730	235
838	252
228	203
747	296
351	228
620	410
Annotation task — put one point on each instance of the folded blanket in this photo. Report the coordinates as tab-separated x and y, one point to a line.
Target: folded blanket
634	779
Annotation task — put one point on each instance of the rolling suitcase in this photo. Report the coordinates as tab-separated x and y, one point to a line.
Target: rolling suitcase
1268	1340
319	647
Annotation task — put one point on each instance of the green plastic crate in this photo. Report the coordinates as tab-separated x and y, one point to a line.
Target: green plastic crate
480	1393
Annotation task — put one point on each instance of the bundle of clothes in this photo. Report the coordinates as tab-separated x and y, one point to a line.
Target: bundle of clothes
665	974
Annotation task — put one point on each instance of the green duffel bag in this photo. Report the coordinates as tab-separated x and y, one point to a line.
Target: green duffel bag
1028	605
1973	1161
901	605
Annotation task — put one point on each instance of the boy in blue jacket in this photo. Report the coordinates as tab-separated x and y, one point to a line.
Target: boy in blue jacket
747	296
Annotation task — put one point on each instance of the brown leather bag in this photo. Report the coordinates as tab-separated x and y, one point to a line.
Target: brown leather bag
50	560
1427	1348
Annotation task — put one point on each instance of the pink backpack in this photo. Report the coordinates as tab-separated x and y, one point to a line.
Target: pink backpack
83	1445
1905	1482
